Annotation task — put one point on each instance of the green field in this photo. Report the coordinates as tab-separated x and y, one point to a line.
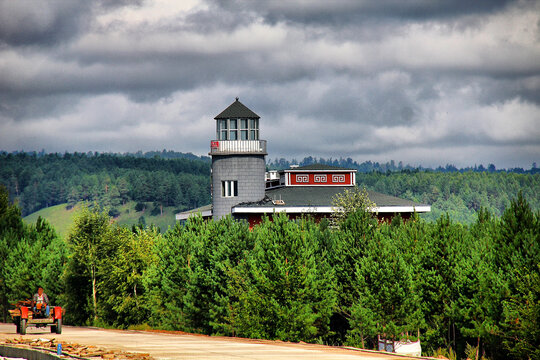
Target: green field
61	218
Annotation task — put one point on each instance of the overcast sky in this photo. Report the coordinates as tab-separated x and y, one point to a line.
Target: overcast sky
422	81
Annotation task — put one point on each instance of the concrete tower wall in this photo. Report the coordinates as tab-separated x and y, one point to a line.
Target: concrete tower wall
248	170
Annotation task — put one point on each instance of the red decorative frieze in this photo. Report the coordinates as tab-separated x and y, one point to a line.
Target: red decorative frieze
318	178
338	179
304	178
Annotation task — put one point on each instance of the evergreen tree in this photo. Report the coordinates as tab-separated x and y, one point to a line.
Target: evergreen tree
518	257
345	254
11	230
387	301
166	278
284	290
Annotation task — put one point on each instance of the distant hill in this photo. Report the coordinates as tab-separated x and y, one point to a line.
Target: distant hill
392	166
38	181
61	218
180	181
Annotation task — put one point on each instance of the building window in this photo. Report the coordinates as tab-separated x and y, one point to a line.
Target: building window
222	129
238	129
244	129
234	129
254	129
229	188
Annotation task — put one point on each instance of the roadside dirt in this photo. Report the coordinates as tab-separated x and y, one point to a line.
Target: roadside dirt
180	345
73	349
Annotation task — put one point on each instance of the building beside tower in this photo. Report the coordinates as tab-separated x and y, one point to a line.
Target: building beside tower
242	188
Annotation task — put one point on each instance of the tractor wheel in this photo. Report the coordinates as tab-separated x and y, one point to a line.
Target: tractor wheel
22	327
58	326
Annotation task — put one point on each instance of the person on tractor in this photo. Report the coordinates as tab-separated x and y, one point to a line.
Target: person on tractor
40	303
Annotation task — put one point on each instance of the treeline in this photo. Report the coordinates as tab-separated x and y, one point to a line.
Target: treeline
471	290
182	181
30	256
39	181
392	166
458	192
163	154
460	195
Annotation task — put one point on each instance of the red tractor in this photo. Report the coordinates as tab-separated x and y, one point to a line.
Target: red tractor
23	316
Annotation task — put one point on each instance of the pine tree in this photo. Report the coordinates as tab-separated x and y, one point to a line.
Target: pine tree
351	240
518	255
387	301
284	290
11	231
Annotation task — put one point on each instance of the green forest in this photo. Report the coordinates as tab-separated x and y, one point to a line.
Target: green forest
182	181
459	194
37	182
469	290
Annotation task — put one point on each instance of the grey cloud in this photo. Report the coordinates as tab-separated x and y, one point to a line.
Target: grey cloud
41	22
496	90
341	99
328	79
216	19
47	23
340	11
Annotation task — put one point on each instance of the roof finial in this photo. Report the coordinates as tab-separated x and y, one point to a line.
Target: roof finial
237	98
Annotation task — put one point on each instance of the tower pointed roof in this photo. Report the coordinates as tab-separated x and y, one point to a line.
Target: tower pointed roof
237	110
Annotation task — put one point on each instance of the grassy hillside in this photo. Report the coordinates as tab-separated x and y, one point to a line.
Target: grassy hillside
57	215
129	216
62	219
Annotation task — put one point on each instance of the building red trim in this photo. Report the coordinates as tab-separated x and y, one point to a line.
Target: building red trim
321	179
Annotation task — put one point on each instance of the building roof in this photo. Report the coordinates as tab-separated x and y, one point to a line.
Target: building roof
322	196
237	110
205	211
319	167
303	199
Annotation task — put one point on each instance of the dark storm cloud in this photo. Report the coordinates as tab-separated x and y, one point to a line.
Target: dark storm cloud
411	80
41	22
25	23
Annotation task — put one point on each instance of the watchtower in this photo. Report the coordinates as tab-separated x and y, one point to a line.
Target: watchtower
238	159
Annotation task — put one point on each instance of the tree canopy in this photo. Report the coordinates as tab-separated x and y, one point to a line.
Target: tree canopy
465	289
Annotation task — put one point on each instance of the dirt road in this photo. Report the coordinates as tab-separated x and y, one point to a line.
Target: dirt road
188	346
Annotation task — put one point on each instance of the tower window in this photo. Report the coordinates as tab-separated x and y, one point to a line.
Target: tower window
254	129
234	129
238	129
229	188
222	130
244	129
